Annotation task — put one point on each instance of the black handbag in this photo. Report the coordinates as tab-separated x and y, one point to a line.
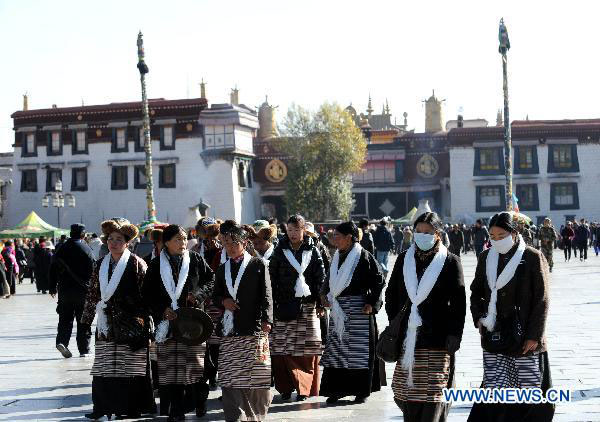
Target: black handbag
129	329
389	344
507	337
288	311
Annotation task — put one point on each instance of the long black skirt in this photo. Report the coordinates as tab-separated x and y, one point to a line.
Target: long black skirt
123	395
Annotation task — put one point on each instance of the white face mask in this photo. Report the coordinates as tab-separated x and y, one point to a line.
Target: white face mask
424	241
504	245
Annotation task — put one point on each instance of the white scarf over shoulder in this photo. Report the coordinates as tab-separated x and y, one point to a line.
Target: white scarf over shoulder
301	289
174	291
228	315
339	279
418	292
268	253
108	287
496	282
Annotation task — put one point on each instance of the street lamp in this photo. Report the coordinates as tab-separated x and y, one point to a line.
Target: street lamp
58	200
503	50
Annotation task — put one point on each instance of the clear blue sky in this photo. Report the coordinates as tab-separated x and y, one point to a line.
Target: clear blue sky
307	52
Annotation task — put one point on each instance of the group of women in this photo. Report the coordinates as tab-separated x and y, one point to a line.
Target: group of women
268	298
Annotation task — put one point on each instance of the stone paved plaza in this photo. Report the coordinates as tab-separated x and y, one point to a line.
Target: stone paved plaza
37	384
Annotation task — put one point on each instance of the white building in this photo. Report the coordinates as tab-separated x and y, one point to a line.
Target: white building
556	170
199	154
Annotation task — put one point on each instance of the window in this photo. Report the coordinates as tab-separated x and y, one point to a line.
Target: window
79	142
119	140
139	138
526	161
28	180
53	176
564	196
219	136
55	142
488	161
377	172
119	178
242	175
249	176
28	144
399	171
30	148
79	179
528	197
525	157
562	158
54	146
490	198
166	176
139	178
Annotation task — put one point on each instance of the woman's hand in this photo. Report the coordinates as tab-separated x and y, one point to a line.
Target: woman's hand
529	346
367	309
169	314
191	299
230	304
266	327
320	311
325	302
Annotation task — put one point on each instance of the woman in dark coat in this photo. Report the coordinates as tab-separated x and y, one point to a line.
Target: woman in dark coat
179	365
511	285
353	290
43	266
121	383
427	281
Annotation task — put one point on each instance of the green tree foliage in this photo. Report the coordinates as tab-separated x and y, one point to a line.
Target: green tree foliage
324	149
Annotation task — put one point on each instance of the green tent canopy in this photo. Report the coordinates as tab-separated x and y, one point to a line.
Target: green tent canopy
407	219
32	226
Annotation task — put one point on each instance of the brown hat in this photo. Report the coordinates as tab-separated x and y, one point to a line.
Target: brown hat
121	225
262	229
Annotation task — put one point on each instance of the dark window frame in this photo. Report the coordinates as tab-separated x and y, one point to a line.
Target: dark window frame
574	159
113	147
136	177
24	188
113	178
161	176
399	171
171	147
74	149
49	186
74	187
24	149
478	171
535	169
481	208
138	145
536	199
49	151
554	206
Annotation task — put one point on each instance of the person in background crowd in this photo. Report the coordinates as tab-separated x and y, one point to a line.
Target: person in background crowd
63	239
367	238
46	254
511	284
398	239
120	380
262	234
4	287
467	237
547	236
407	238
70	273
243	288
525	233
567	234
457	240
582	236
12	266
353	292
596	238
384	243
29	255
330	244
95	245
297	274
480	237
444	236
37	252
21	259
192	240
427	281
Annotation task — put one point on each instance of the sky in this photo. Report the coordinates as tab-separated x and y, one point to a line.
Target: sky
305	52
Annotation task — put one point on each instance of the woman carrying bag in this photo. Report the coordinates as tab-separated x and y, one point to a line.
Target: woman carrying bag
509	304
426	292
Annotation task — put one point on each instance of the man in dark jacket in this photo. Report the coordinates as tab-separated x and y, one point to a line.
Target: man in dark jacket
70	273
480	237
582	236
367	238
457	240
384	243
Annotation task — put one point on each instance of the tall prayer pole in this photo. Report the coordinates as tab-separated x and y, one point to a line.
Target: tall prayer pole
143	68
508	171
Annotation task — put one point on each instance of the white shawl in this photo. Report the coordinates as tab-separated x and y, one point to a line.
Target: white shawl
339	280
223	255
108	287
496	282
418	292
267	255
174	291
301	288
228	315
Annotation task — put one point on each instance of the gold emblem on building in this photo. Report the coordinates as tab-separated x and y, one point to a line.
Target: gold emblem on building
276	171
427	166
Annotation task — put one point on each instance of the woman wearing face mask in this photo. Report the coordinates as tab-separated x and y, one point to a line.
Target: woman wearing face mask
509	304
427	285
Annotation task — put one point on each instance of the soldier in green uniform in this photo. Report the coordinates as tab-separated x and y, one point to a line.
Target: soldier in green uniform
526	233
547	237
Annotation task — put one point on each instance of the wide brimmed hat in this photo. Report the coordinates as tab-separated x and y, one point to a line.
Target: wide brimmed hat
207	227
121	225
262	229
192	326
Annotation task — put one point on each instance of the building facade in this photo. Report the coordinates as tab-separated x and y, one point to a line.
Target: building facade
555	163
200	154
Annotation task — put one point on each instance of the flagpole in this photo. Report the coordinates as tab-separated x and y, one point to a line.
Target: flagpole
508	171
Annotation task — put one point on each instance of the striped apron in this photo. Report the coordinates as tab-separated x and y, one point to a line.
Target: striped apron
500	371
299	337
117	360
245	362
431	374
179	363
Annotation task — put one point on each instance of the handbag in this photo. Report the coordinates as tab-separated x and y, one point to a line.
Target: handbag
288	311
507	337
389	344
130	329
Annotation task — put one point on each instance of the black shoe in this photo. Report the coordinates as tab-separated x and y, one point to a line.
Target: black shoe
63	350
286	396
201	411
173	418
333	399
360	399
301	397
95	415
212	384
